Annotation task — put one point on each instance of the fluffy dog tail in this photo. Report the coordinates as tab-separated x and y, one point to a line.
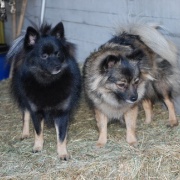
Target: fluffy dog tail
155	40
15	49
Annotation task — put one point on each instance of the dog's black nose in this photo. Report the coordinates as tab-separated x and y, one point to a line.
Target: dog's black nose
57	68
133	98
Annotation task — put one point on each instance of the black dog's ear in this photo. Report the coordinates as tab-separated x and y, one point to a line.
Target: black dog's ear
30	38
58	31
109	62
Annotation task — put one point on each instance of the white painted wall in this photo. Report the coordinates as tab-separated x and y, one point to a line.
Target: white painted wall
89	23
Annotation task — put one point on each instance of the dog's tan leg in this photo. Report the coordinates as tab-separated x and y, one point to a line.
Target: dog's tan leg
61	146
62	150
130	119
39	140
172	116
26	122
102	121
147	105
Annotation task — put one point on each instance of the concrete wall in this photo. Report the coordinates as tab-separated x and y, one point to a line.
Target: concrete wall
89	23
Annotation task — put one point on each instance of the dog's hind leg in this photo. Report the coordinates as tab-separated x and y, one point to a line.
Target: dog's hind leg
26	122
102	121
39	140
172	116
130	119
61	125
147	105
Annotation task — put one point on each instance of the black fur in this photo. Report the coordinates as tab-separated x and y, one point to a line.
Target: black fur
156	90
46	79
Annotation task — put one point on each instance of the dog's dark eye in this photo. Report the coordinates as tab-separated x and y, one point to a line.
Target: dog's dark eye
120	85
136	81
44	56
58	54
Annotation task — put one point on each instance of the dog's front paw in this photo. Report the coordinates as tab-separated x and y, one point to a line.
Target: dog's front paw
101	141
37	147
132	141
64	157
62	151
100	144
24	136
148	120
172	123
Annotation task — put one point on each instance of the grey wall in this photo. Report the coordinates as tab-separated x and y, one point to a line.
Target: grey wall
89	23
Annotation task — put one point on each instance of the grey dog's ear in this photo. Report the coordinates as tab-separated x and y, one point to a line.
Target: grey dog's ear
109	62
137	54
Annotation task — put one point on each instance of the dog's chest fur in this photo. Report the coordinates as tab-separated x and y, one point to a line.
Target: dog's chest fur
48	95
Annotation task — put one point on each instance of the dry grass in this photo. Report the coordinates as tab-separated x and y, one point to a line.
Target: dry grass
156	157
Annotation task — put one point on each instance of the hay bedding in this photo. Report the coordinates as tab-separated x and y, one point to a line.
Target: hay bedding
156	157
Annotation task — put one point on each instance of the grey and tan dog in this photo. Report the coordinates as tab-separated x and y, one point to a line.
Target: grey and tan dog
137	65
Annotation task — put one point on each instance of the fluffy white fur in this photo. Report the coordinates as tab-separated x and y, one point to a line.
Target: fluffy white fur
156	41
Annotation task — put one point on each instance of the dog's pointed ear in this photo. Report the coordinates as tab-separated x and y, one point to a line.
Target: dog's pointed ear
30	38
136	54
146	75
58	31
109	62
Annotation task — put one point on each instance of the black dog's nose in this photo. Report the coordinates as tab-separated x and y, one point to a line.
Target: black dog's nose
57	68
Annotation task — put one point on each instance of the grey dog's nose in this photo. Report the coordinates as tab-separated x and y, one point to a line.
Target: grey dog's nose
133	98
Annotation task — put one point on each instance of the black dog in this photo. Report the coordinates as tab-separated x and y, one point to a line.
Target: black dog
46	82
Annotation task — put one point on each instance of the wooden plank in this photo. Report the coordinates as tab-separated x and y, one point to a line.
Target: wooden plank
158	9
84	49
107	6
34	11
84	17
83	32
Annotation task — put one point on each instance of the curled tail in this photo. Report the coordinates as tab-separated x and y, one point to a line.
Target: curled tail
155	40
15	49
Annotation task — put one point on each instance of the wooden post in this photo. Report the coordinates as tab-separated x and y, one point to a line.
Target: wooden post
21	19
2	39
14	21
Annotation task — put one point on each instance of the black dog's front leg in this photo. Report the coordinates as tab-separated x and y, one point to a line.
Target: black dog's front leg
26	122
61	124
38	123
